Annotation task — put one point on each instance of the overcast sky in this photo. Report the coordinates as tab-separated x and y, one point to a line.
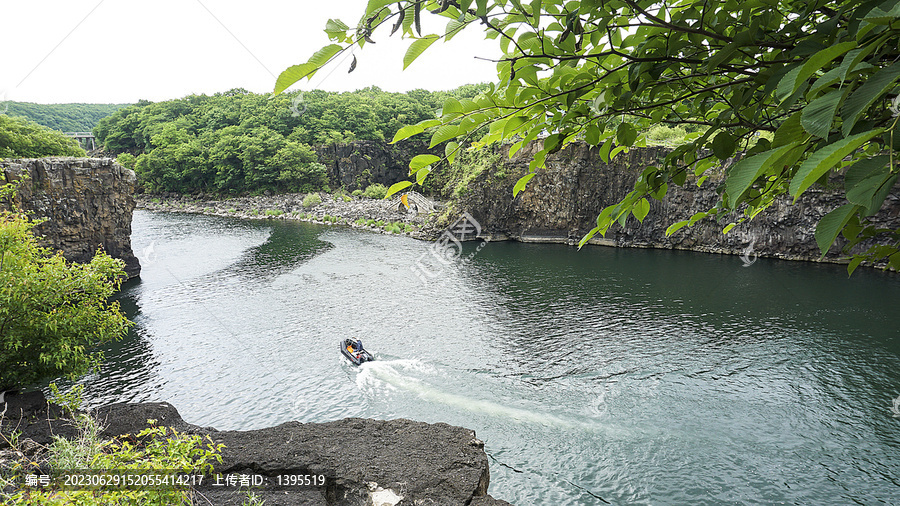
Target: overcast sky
120	51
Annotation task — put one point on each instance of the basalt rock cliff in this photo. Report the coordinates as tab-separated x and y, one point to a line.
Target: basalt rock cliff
358	164
561	204
87	202
366	462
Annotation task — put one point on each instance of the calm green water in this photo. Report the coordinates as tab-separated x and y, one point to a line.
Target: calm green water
625	376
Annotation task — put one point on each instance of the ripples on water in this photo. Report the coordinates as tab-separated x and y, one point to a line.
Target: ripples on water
635	376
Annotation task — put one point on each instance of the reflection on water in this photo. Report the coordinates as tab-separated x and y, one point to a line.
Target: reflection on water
635	376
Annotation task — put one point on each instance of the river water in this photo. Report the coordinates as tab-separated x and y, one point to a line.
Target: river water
620	376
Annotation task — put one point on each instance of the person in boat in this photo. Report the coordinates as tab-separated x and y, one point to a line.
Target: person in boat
355	348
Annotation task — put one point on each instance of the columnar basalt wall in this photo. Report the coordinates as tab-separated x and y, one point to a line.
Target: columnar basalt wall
561	204
88	203
355	165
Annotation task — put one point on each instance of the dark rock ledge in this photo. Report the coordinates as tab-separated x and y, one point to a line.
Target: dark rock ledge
368	461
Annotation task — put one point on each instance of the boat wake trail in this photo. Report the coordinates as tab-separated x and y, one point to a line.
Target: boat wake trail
397	378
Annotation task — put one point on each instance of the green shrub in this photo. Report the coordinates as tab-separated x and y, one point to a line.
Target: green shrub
313	199
274	212
357	193
375	191
54	313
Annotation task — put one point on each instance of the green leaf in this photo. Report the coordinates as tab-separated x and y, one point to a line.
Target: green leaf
819	60
854	263
480	8
675	227
870	91
397	187
831	225
444	133
723	145
410	130
786	86
374	6
422	174
729	227
819	114
297	72
592	134
864	168
420	161
450	151
452	106
417	48
826	159
721	55
872	191
335	26
512	124
604	150
626	134
293	74
641	209
748	170
520	184
868	182
407	132
789	131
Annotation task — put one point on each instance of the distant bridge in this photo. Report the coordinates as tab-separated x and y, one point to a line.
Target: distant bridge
83	138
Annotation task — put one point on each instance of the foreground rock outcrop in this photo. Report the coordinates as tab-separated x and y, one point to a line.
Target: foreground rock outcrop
561	204
87	202
366	461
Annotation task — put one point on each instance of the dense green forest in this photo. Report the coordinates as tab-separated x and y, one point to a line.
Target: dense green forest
237	141
63	117
21	138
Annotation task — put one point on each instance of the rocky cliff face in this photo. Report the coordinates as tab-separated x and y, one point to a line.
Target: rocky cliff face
366	462
359	164
87	202
561	204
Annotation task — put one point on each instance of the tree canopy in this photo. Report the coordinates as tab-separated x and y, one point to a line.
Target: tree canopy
786	94
238	141
62	117
21	138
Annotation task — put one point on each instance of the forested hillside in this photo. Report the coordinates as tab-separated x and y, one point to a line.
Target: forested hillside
63	117
21	138
238	141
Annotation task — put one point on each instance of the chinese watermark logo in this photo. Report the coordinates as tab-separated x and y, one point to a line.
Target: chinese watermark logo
896	407
148	254
298	105
745	254
447	249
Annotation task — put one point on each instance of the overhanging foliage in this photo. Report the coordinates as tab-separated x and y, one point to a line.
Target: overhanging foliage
819	76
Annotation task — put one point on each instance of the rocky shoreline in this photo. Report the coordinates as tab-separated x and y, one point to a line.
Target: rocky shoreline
377	215
389	463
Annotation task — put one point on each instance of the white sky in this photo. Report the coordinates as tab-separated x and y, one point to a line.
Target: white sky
120	51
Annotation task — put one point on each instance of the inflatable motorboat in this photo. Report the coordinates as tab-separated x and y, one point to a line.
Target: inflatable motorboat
353	350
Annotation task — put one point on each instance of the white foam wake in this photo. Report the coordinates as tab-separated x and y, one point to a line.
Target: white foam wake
394	375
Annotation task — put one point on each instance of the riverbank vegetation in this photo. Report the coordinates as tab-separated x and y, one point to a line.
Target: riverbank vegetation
22	138
820	79
240	142
155	451
52	312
